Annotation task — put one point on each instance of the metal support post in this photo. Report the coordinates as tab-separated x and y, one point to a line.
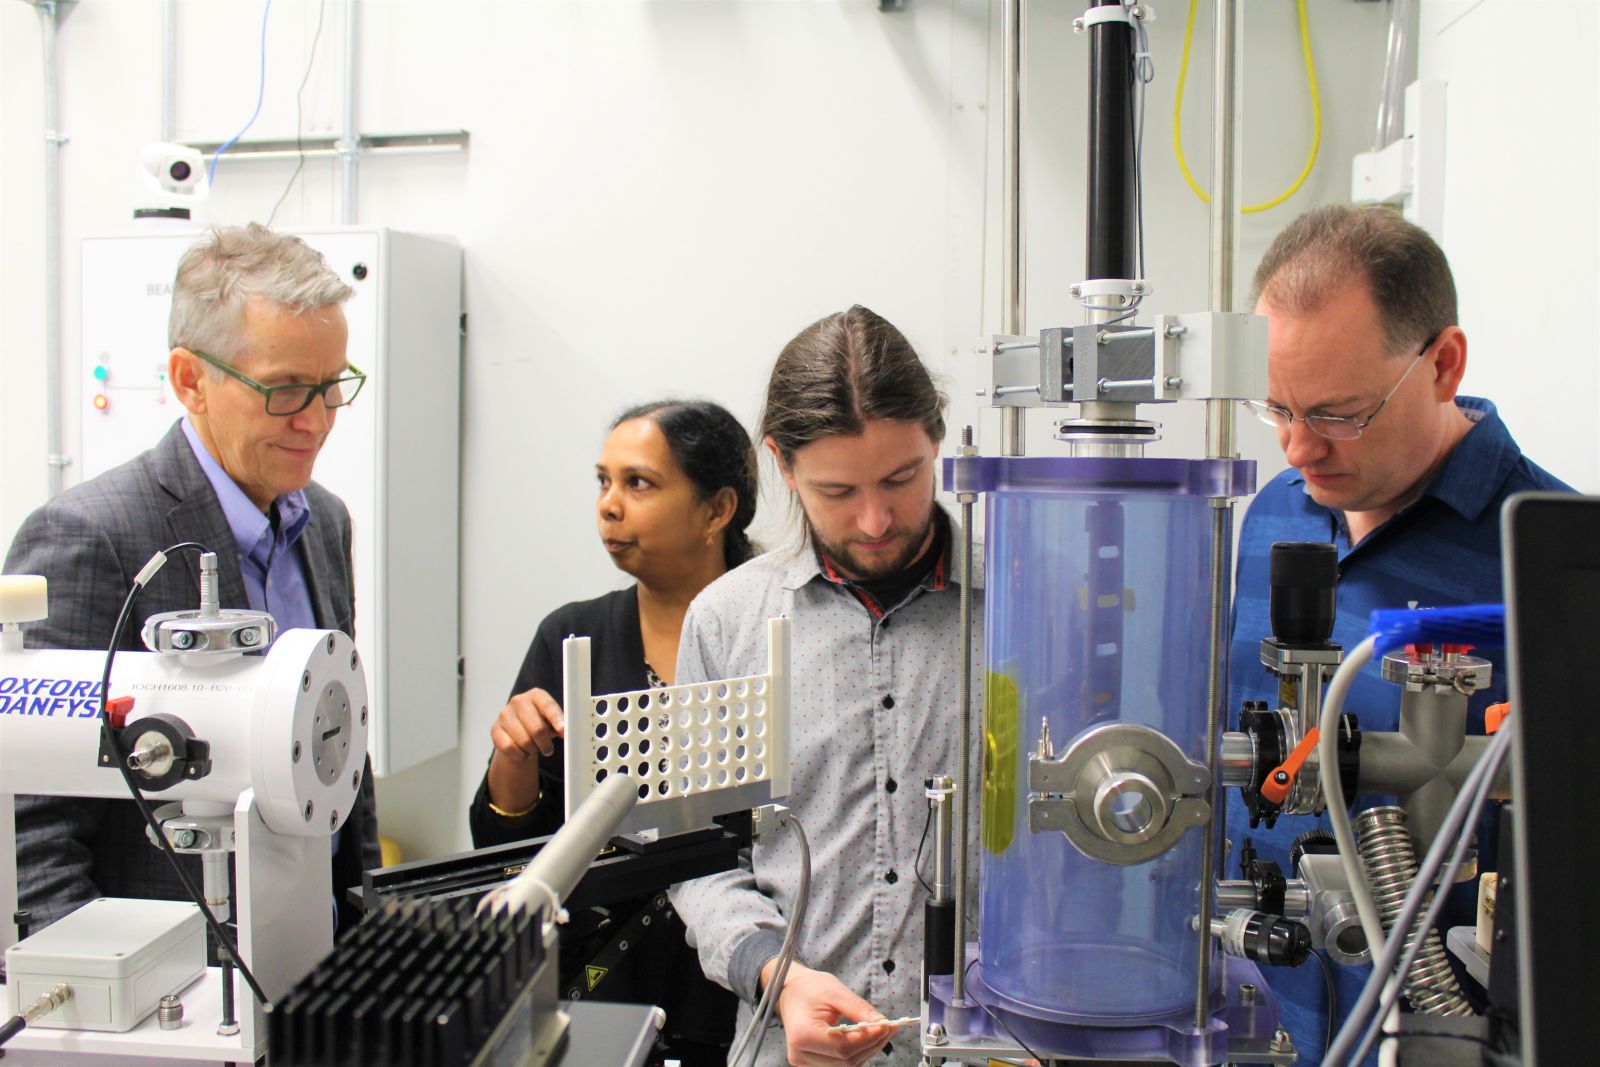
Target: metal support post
1013	254
963	755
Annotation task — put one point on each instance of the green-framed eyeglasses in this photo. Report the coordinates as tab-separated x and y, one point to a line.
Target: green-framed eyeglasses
294	398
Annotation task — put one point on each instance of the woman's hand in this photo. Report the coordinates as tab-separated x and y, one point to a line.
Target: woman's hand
525	729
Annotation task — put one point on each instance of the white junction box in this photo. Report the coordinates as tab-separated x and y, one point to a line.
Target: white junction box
393	456
119	956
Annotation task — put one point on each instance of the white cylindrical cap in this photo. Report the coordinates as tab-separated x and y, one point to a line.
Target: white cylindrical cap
23	598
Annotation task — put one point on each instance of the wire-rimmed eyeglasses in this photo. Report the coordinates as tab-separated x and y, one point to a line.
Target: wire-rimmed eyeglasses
1333	427
294	398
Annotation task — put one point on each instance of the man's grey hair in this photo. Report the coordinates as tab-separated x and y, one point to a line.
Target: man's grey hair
229	266
1323	251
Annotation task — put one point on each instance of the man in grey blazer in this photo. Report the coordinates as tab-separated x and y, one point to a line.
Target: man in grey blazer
257	358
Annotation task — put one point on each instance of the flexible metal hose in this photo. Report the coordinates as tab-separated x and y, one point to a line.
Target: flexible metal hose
1391	861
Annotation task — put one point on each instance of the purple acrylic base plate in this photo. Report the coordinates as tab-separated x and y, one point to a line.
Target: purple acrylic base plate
1234	1033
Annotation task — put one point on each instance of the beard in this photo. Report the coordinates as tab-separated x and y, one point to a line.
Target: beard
913	542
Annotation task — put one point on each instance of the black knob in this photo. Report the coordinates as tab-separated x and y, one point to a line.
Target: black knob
1304	576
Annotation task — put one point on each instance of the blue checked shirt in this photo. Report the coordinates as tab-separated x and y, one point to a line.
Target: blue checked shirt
1441	550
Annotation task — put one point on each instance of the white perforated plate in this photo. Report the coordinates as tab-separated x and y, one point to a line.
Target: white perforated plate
696	750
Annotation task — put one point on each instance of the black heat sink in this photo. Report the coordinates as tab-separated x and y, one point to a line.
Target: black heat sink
415	985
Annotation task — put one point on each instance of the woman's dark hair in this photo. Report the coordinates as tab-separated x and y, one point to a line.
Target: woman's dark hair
842	372
715	452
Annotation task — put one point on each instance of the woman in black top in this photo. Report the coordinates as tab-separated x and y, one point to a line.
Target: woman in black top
677	489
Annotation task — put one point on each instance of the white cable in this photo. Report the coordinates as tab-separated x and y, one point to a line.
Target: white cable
1333	792
762	1014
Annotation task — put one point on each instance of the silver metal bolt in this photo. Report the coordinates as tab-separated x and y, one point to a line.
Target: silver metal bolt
333	820
1137	287
330	644
644	920
183	838
227	1029
183	639
170	1012
310	806
363	715
249	636
1281	1041
294	753
355	779
622	945
1103	337
355	660
1174	382
305	682
1175	330
1077	27
936	1034
983	392
1075	290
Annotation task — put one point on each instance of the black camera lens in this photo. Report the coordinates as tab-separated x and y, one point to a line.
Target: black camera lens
180	171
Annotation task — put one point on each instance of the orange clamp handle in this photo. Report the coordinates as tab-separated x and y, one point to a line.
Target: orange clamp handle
1494	716
1278	783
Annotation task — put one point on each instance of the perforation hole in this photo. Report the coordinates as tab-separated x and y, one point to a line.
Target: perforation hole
739	775
644	768
683	762
722	711
739	752
722	755
664	766
643	724
683	785
704	693
722	777
622	704
759	750
740	730
622	750
664	699
722	735
686	718
685	740
704	759
743	711
761	729
703	780
743	690
644	791
663	722
661	788
761	770
705	738
761	686
644	745
622	727
602	752
664	743
599	729
644	701
761	708
600	707
682	696
705	715
599	776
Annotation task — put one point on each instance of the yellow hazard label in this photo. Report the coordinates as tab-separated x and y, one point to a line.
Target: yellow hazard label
596	975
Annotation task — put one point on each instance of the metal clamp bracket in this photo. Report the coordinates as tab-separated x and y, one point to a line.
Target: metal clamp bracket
1122	793
1128	13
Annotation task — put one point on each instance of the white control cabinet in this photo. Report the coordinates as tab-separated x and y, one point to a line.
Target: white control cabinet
393	455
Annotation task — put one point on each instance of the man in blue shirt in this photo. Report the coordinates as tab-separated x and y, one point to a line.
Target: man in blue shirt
257	344
1388	463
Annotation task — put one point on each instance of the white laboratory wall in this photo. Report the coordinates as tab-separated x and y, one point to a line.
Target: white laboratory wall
1521	221
657	195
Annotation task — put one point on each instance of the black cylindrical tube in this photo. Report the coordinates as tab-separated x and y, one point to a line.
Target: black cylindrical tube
1304	577
938	939
1112	207
227	989
11	1028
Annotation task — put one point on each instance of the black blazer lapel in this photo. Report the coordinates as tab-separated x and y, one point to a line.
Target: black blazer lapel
196	515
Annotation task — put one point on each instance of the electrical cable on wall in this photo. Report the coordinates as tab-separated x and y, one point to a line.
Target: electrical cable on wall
261	94
299	115
1316	114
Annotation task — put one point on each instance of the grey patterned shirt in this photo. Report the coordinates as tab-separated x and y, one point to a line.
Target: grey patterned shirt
875	711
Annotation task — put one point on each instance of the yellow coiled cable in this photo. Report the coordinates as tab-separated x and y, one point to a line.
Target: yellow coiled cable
1316	114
